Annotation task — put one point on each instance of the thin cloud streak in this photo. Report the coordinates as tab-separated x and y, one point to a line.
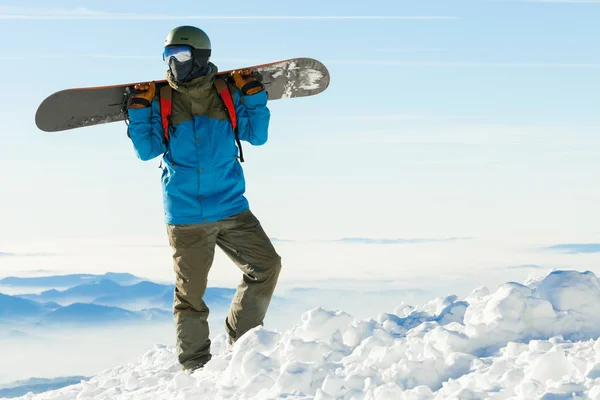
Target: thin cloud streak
405	116
158	57
47	56
345	62
398	117
71	56
453	64
120	57
125	57
8	12
406	50
217	17
565	1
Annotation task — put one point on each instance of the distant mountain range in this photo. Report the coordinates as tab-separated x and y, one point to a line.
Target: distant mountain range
109	293
100	299
14	309
91	314
62	281
37	385
139	296
576	248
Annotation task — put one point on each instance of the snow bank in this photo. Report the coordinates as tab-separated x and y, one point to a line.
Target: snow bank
533	341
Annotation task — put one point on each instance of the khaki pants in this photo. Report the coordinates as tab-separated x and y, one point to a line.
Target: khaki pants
242	238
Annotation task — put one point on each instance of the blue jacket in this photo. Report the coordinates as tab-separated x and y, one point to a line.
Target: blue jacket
202	179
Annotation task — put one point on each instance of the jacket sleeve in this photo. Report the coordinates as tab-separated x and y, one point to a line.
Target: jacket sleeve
253	117
146	132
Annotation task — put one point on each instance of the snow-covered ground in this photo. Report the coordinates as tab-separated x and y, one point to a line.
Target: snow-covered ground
537	340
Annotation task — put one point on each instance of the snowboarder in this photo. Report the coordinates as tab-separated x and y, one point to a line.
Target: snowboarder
203	186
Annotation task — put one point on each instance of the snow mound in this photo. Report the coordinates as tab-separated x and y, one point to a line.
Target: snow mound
534	341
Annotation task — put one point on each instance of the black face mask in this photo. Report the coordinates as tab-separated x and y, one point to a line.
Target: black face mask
181	71
188	70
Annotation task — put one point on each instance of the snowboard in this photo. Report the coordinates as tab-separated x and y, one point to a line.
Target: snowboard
80	107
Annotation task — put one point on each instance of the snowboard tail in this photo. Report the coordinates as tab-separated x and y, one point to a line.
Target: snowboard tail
80	107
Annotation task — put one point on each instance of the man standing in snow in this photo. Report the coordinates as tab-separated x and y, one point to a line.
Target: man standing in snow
203	187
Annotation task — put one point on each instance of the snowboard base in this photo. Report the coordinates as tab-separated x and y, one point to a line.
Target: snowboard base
81	107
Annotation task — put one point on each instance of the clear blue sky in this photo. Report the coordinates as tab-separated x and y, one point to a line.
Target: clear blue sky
484	122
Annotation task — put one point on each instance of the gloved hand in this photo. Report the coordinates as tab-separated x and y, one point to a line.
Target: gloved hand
246	82
143	95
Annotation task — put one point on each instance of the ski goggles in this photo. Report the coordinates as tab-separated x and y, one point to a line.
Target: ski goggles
181	53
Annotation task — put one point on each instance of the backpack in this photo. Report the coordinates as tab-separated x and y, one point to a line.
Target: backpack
166	105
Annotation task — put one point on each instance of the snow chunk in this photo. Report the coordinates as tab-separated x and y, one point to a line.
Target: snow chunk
534	341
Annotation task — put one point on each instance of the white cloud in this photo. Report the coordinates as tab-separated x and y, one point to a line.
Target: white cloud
466	64
8	58
447	64
245	61
10	12
564	1
116	56
218	60
547	140
405	116
407	50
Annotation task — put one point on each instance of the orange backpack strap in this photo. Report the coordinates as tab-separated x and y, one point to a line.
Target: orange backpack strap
225	95
166	105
